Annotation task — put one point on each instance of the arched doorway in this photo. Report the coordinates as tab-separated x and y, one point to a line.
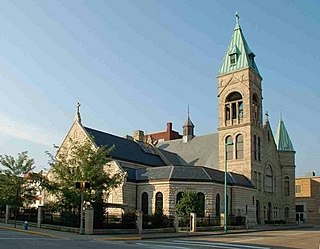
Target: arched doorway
258	212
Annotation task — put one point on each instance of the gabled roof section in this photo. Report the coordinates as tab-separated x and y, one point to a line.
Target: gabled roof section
239	49
283	140
124	149
200	151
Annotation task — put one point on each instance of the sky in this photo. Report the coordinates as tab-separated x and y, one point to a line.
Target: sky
139	64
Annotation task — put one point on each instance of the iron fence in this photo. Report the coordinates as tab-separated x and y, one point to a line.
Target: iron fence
208	221
68	219
157	221
125	221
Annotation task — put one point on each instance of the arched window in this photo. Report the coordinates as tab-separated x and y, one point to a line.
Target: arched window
255	109
239	146
286	213
259	149
179	197
159	203
269	211
201	199
218	205
233	108
144	203
286	185
229	148
255	147
269	179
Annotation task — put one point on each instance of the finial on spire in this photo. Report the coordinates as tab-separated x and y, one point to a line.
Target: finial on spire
188	111
78	116
237	18
280	115
267	116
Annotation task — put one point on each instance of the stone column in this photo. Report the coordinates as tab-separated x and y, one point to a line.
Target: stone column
222	220
176	222
88	227
139	221
193	222
39	218
7	213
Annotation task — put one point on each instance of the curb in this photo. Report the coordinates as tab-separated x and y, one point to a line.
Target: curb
120	238
30	232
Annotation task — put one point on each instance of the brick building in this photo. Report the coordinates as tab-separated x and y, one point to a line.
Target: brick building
308	199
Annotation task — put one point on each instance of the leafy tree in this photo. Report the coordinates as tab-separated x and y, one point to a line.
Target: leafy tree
190	203
17	181
82	162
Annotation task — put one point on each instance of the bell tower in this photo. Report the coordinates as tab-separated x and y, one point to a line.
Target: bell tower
240	125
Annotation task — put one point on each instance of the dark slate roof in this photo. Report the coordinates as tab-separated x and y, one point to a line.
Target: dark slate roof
186	173
199	151
125	149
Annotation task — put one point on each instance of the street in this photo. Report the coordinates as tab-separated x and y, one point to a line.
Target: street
285	239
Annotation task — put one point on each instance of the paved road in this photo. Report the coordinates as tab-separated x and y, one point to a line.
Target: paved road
293	239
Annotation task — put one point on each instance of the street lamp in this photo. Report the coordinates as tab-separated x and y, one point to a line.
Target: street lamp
225	186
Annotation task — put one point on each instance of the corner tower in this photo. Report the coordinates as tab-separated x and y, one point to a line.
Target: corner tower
240	108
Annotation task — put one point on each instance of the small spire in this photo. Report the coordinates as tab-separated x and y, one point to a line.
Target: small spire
237	18
78	116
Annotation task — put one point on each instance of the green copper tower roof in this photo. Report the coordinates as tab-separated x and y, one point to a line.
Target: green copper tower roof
283	140
238	55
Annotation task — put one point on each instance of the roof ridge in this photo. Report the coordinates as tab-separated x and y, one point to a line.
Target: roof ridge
203	168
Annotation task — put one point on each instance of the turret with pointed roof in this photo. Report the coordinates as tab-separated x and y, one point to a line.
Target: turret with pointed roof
238	55
283	140
188	129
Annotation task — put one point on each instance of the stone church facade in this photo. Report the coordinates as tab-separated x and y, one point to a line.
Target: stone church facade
260	167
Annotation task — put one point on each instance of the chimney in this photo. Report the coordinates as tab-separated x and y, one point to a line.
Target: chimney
138	135
169	126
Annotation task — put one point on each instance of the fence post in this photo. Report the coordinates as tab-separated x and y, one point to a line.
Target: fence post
7	213
193	221
139	221
39	218
89	214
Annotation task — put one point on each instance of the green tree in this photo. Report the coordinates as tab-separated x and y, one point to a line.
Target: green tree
190	203
82	162
17	181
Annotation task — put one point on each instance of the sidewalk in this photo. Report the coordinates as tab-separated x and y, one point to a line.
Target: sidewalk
114	237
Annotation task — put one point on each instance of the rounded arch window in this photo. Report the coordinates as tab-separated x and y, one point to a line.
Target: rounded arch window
269	179
159	203
233	106
179	197
229	148
144	203
286	185
255	109
239	146
218	205
201	199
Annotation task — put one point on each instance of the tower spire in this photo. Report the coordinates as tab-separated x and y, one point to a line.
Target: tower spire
78	115
237	19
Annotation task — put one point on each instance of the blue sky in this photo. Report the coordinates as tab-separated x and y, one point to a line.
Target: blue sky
138	64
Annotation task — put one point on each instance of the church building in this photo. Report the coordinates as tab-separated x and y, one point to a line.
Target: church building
158	169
